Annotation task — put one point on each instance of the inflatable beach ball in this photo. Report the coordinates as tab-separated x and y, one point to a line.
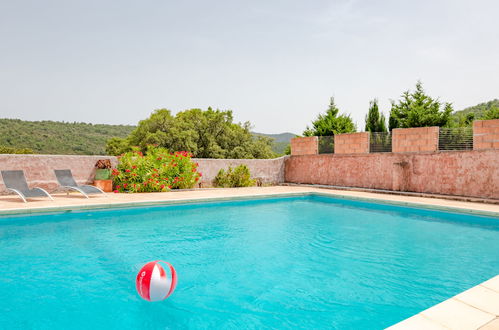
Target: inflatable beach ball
153	283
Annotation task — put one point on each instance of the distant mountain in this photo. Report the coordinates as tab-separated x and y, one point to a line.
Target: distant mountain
478	109
281	141
55	137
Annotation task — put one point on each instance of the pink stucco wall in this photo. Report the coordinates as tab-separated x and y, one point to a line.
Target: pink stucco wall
39	169
461	173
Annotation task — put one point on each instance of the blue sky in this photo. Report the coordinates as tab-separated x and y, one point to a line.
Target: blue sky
274	63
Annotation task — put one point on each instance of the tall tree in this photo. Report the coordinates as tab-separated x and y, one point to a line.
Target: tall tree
330	123
417	109
375	121
206	134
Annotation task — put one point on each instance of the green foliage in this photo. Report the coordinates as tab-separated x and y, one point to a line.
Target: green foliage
207	134
479	109
157	170
417	109
375	121
462	120
492	113
117	146
482	111
238	177
280	142
9	150
330	123
102	174
287	151
51	137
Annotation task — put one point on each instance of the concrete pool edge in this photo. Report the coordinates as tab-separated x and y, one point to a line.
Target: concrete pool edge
475	308
419	202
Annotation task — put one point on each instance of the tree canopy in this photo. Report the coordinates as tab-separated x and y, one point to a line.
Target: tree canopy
331	123
375	121
416	109
206	134
492	113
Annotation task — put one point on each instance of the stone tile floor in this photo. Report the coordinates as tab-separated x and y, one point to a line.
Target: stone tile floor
476	308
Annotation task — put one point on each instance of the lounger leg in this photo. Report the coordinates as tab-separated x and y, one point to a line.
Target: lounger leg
19	193
48	195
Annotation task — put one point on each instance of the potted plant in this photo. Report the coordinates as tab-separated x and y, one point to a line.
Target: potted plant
102	178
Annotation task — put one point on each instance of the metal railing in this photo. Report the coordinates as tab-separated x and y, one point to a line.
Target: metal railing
458	138
380	142
326	144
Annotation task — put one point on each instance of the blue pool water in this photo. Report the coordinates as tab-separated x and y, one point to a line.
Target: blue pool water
300	262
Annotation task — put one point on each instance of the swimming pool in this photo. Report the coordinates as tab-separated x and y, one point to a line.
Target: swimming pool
286	262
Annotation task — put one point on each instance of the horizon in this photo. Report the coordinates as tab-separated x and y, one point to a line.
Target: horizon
273	64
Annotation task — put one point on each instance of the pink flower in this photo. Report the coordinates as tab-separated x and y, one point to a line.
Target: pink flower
116	191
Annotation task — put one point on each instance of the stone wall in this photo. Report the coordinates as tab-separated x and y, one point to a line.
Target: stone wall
486	134
351	143
461	173
39	169
415	139
264	170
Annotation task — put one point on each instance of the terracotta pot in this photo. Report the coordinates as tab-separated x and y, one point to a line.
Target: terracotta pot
106	185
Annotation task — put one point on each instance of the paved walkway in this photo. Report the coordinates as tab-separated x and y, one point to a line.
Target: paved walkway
62	200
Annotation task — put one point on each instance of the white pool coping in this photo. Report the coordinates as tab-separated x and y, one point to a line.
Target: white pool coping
476	308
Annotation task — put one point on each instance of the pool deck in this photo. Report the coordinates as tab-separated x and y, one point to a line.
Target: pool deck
13	204
476	308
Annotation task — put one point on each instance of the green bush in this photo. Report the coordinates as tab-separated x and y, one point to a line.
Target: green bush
102	174
238	177
9	150
157	170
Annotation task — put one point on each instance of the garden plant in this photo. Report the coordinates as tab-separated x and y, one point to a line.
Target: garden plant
156	170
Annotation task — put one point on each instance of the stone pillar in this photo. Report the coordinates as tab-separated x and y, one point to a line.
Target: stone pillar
415	139
304	146
486	134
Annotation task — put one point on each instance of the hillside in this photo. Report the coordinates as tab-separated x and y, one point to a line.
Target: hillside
52	137
478	109
281	141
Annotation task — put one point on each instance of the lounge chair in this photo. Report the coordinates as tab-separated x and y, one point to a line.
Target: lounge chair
15	181
66	180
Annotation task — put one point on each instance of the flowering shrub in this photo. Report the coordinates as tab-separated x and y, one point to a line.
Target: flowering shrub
157	170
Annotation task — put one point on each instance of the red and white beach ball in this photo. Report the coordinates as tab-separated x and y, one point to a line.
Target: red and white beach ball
153	284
